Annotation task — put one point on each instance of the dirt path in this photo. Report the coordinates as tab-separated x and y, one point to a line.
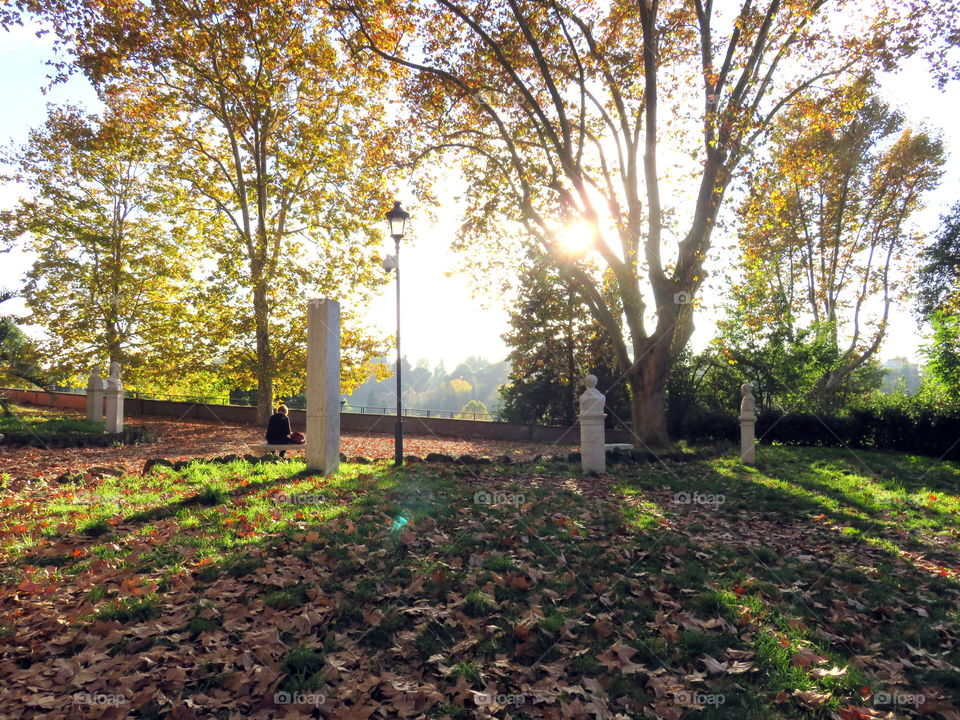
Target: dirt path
194	438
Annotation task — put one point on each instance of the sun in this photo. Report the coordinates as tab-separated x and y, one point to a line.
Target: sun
576	238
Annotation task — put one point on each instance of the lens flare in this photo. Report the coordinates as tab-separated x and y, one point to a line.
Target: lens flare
576	238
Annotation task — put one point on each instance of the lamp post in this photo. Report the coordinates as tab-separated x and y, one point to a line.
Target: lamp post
397	219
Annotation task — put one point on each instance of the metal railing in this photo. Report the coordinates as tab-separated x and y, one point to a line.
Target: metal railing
360	410
208	399
413	412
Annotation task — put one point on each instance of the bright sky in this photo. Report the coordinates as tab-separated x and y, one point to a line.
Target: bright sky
441	320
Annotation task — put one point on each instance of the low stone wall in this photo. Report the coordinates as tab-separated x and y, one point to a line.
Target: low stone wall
66	401
349	422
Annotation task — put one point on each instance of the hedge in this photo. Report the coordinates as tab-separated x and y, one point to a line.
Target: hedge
923	432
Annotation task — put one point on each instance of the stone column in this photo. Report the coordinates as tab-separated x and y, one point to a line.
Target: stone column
323	385
593	453
95	389
748	421
114	399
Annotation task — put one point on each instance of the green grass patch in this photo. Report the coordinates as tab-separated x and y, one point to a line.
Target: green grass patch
816	569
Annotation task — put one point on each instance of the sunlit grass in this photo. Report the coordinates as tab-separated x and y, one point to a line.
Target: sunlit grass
554	578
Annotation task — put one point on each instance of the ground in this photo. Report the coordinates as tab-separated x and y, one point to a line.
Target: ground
179	439
821	584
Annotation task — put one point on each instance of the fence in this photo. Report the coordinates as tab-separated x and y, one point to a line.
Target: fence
413	412
346	408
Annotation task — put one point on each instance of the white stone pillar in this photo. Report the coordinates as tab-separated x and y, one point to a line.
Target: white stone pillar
95	390
748	421
593	452
114	399
323	385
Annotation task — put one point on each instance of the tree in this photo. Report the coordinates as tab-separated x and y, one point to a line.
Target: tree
273	139
108	276
943	352
558	111
939	277
784	363
938	301
17	361
823	228
554	344
473	408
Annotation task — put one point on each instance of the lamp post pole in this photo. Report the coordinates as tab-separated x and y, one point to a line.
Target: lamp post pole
397	219
398	426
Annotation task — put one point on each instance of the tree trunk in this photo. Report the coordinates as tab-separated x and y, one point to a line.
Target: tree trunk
264	370
647	379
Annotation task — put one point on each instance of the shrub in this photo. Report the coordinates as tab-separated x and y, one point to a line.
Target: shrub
920	429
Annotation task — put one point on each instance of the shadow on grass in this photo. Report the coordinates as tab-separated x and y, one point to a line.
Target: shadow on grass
546	571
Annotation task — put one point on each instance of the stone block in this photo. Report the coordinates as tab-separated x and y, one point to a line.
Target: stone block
323	386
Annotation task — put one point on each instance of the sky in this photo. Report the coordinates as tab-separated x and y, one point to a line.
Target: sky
442	320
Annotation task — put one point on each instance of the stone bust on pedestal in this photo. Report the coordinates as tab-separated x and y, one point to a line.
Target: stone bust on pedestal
593	453
114	382
749	403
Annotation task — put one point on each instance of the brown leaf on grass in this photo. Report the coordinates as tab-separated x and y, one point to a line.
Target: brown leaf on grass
807	657
715	667
602	628
811	698
857	712
617	657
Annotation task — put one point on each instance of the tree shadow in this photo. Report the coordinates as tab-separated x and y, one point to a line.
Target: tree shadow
548	569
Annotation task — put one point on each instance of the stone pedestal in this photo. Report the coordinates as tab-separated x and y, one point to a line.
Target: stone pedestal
748	420
593	452
114	400
95	392
323	385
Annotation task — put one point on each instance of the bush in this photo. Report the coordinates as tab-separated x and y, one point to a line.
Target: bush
703	426
923	432
918	430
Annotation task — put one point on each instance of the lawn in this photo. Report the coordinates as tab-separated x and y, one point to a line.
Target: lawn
26	419
46	429
821	584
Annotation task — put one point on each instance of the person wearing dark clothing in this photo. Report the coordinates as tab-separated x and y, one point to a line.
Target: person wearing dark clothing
278	429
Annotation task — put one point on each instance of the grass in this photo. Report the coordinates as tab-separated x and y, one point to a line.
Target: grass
24	419
702	588
27	426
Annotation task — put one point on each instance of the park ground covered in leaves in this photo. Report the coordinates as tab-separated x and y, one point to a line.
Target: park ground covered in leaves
821	584
181	438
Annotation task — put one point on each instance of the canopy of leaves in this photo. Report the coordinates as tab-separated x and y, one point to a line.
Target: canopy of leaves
108	275
823	229
555	343
272	146
561	111
943	352
17	357
939	277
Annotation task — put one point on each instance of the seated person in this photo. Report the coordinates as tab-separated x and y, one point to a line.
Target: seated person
278	429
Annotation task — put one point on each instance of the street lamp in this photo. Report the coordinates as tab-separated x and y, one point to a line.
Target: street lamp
397	219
